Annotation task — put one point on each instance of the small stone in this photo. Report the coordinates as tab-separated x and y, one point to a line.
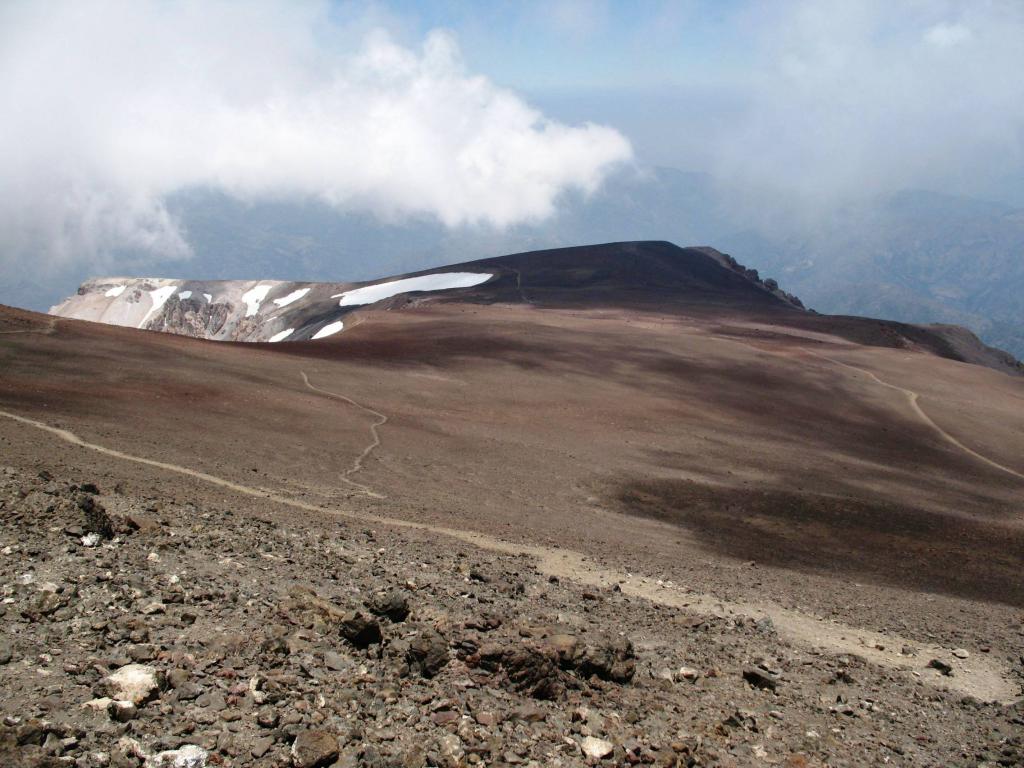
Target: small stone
487	718
688	673
314	749
187	756
136	683
91	539
760	678
122	711
261	746
941	666
334	661
393	605
428	652
445	716
597	749
360	630
960	653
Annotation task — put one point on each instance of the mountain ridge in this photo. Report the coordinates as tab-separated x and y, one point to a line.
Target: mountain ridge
638	274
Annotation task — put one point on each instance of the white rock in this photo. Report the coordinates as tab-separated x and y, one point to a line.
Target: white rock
100	705
688	673
596	748
136	683
122	711
960	653
90	540
188	756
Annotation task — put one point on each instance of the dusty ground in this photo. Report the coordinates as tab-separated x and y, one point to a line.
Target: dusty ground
700	467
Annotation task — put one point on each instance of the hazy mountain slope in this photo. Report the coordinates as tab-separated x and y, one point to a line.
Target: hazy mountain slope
916	256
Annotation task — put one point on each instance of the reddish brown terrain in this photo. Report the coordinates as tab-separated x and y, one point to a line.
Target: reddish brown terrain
646	425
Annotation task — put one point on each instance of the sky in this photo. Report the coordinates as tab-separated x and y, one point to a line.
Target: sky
485	113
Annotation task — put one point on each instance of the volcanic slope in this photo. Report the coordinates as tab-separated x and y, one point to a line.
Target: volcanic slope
634	415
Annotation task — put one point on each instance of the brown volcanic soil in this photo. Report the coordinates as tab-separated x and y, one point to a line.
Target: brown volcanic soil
670	443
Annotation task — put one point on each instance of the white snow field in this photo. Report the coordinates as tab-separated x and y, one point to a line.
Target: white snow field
159	296
329	330
293	296
254	297
438	282
281	335
116	291
185	295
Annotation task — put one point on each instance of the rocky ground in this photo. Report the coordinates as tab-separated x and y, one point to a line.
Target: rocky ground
143	633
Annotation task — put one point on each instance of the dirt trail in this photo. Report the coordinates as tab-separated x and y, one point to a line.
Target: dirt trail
912	397
983	678
357	465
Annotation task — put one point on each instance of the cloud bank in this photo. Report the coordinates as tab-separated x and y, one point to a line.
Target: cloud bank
845	99
109	106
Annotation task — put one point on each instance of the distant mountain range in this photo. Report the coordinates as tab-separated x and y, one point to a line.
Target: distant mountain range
915	256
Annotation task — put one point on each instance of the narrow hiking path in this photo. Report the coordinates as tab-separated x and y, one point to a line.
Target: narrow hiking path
912	399
983	678
911	395
380	421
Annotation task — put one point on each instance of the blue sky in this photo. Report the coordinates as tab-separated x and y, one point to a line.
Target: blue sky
580	44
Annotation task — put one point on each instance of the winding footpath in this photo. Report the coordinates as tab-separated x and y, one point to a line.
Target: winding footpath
380	421
983	678
912	398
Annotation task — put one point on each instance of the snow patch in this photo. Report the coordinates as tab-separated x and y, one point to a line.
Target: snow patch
253	298
293	296
116	291
159	296
329	330
437	282
208	297
282	335
185	295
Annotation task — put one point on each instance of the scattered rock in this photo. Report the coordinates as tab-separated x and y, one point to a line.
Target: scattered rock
761	678
360	630
136	683
428	652
596	749
187	756
314	749
96	518
392	605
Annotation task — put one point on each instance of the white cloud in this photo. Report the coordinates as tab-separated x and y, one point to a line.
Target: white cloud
947	35
108	106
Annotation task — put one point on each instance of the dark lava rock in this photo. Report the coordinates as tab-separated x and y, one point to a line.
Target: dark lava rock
428	652
360	630
761	678
96	518
392	605
314	749
532	672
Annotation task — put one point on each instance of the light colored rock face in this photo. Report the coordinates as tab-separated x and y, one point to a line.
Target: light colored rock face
243	310
188	756
595	748
136	683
